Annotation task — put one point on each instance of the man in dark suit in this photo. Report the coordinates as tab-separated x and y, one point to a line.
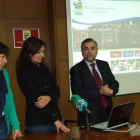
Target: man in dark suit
85	83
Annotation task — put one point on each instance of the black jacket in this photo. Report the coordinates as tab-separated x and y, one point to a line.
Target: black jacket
36	82
84	85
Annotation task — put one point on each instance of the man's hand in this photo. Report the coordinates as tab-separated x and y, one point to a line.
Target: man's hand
16	133
105	90
60	125
42	101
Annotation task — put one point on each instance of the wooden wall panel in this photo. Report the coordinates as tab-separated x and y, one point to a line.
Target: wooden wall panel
136	112
26	9
21	117
122	99
51	37
60	7
19	98
62	42
2	9
3	31
64	82
71	111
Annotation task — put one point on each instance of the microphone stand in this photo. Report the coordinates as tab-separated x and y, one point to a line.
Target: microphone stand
88	129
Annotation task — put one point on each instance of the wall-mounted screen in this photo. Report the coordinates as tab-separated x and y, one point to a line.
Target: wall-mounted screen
115	25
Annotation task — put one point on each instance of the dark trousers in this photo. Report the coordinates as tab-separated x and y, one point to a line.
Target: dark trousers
3	130
104	114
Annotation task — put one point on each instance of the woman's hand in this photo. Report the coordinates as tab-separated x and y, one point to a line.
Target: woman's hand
42	101
16	133
60	125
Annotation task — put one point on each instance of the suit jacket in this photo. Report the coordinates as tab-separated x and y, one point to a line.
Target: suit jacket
84	85
36	82
9	108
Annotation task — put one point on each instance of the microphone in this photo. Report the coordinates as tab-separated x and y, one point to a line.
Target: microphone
80	103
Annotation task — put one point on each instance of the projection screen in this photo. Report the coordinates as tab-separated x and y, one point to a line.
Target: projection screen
115	25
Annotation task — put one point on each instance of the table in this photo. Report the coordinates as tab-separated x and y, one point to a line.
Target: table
76	133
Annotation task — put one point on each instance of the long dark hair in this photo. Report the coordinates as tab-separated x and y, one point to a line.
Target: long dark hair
4	49
30	47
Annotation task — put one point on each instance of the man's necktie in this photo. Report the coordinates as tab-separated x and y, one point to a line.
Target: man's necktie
104	101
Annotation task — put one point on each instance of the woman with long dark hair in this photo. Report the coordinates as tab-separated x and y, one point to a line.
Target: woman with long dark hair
40	90
8	114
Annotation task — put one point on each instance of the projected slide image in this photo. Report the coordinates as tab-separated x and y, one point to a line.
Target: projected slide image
133	64
125	65
78	38
115	36
118	65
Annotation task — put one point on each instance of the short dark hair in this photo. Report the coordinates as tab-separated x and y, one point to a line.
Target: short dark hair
30	47
88	40
4	49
